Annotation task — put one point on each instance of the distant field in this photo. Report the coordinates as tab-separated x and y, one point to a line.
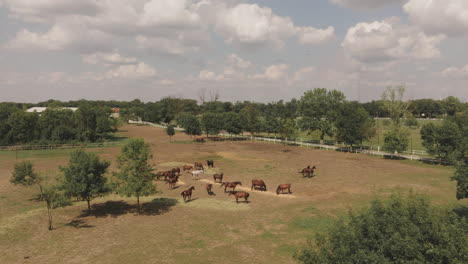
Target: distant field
209	229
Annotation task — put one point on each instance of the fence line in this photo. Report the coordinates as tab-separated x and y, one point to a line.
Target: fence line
60	146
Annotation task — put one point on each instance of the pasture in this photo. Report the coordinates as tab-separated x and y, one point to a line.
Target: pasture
209	228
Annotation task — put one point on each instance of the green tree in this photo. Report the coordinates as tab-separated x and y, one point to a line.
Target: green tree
399	230
135	176
24	174
318	109
232	122
54	198
23	127
288	130
353	124
412	122
461	177
451	105
250	115
396	141
443	140
211	123
84	177
170	131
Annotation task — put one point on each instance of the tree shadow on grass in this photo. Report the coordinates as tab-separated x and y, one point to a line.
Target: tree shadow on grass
79	224
116	208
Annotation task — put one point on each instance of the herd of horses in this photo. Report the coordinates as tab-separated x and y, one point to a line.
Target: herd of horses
171	178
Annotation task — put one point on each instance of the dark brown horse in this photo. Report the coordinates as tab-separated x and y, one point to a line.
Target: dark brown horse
240	194
218	177
283	187
168	174
308	171
230	185
210	163
209	186
187	194
258	184
187	168
198	166
176	170
172	181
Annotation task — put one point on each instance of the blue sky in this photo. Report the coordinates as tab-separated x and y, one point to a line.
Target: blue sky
262	50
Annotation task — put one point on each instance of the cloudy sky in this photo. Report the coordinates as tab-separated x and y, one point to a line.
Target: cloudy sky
261	50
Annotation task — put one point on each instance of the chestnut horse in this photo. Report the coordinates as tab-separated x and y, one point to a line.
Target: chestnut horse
308	171
172	181
187	194
283	187
187	168
174	170
198	166
218	177
258	184
209	186
240	194
230	185
210	163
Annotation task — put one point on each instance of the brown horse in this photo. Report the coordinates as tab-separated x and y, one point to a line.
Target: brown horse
187	168
308	171
187	194
168	174
159	175
198	166
230	185
172	181
209	186
218	177
283	187
240	194
258	184
176	170
210	163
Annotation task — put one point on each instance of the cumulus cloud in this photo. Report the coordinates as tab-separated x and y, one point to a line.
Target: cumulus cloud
133	71
388	40
238	62
251	25
365	4
456	72
173	13
274	72
108	59
448	17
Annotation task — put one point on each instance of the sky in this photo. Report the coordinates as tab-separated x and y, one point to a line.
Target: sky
263	50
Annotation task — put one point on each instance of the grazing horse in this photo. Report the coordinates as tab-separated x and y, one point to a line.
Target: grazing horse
168	174
240	194
308	171
187	168
210	163
198	166
218	177
172	181
197	173
209	186
258	184
283	187
159	174
230	185
187	194
174	170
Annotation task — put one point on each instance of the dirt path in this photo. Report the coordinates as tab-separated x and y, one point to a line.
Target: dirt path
260	192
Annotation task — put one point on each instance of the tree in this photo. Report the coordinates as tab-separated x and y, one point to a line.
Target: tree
399	230
395	141
461	177
353	124
190	123
135	177
232	122
84	176
443	140
212	123
23	127
318	109
451	105
250	116
412	122
288	130
170	131
25	175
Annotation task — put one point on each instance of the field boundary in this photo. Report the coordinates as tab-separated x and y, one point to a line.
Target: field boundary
60	146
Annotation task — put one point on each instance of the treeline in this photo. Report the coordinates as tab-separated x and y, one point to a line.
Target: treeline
55	125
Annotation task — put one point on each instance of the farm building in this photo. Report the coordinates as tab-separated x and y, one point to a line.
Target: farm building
42	109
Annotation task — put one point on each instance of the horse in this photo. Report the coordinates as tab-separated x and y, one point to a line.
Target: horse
174	170
230	185
218	177
240	194
187	194
198	166
308	171
168	174
159	174
260	184
209	186
283	187
172	181
197	173
210	163
187	168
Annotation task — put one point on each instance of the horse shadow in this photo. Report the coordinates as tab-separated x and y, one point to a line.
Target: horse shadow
211	193
191	200
117	208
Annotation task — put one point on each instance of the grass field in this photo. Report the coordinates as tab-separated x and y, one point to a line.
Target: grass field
209	229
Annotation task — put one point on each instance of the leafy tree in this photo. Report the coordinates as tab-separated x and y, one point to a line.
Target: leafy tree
212	123
451	105
190	123
443	140
57	125
251	115
318	109
23	127
395	141
84	176
461	177
25	175
353	124
135	176
399	230
393	103
232	122
288	130
170	131
412	122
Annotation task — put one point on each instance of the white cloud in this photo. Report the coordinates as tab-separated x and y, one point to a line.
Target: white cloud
169	13
274	72
365	4
238	62
387	40
449	17
206	75
456	72
304	73
133	71
252	25
107	59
